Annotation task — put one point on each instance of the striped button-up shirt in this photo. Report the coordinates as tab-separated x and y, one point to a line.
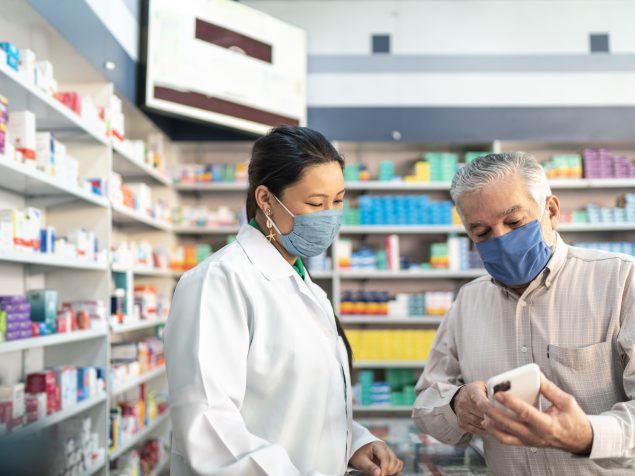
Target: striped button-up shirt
576	320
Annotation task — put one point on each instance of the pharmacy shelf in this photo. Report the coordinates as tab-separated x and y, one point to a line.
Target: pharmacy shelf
396	186
589	227
126	216
94	468
159	468
51	114
44	259
562	184
389	364
131	169
388	320
212	187
382	408
33	183
135	382
60	416
400	229
135	326
55	339
415	274
140	436
199	230
321	274
150	272
576	184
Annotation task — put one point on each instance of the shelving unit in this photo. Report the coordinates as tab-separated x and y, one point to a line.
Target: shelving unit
389	364
140	437
410	274
191	230
135	382
130	168
125	216
60	416
135	326
423	321
55	339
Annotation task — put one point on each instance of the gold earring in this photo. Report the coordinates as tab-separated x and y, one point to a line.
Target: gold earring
271	236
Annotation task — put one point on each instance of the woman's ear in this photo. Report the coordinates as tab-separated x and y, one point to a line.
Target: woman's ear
263	198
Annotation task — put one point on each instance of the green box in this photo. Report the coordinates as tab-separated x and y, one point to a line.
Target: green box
43	305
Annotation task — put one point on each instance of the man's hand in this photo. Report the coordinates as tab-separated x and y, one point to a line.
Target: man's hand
563	426
376	459
465	406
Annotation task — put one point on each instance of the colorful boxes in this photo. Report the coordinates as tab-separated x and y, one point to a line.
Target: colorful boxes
13	394
4	119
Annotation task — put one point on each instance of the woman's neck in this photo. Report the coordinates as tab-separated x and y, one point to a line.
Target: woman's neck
262	223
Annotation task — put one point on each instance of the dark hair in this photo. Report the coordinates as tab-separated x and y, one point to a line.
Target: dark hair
279	159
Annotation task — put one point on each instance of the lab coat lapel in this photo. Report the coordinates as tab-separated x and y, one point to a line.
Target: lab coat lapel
272	265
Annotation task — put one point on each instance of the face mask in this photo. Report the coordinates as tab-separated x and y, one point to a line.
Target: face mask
312	233
517	257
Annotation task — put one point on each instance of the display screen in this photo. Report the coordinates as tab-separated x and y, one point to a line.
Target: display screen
224	63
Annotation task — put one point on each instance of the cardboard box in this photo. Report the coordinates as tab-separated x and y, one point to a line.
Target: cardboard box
14	394
43	305
22	128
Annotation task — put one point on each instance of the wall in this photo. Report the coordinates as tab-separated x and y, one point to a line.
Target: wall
467	70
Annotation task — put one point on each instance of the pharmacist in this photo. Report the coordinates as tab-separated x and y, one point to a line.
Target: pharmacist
569	310
258	366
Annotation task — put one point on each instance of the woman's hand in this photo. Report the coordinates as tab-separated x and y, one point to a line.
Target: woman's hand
376	459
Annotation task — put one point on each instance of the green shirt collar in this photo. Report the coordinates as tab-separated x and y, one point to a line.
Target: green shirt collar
298	265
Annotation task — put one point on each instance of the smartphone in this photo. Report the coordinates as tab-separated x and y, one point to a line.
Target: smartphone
522	382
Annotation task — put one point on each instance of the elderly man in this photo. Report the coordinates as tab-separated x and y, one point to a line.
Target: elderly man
569	310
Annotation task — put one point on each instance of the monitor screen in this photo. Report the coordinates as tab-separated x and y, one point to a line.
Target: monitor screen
224	63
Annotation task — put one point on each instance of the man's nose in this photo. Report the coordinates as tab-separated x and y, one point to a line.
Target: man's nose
499	230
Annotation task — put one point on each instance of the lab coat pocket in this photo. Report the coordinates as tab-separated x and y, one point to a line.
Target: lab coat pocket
592	374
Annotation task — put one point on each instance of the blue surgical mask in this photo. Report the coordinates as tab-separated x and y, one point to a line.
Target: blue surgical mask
517	257
312	233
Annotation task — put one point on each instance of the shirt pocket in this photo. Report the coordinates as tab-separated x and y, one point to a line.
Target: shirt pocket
592	374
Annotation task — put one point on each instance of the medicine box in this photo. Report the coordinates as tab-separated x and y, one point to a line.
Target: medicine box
23	132
43	305
14	394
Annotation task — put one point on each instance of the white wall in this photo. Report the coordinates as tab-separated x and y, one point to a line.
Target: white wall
458	26
527	32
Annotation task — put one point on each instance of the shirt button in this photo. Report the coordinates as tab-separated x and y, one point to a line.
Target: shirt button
523	349
534	450
522	303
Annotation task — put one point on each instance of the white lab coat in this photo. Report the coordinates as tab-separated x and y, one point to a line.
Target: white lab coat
257	375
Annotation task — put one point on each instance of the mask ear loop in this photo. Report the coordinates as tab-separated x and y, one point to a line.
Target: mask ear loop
283	206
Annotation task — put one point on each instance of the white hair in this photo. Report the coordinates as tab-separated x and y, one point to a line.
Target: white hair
494	167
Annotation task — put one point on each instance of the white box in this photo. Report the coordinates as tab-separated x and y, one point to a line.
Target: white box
7	229
27	64
33	225
22	130
44	76
45	155
14	394
143	196
80	239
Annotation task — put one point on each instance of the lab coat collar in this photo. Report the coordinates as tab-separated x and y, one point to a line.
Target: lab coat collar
263	254
268	260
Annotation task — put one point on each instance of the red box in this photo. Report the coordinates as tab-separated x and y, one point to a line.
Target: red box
6	411
39	382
